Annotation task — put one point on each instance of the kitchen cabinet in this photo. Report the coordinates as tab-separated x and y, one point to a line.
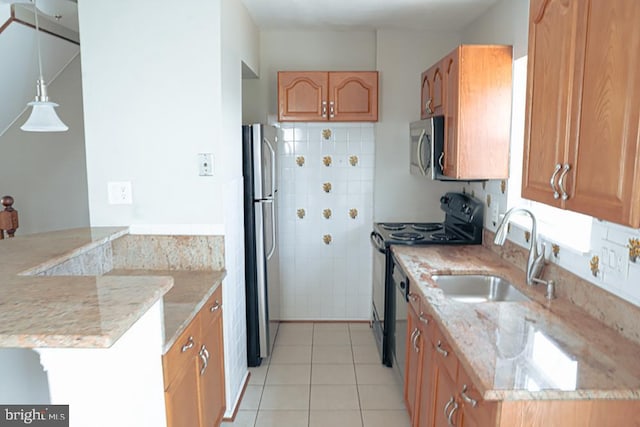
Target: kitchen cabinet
582	139
417	345
312	96
194	370
432	96
477	112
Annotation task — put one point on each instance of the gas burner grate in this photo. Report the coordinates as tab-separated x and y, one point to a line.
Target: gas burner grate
427	227
393	226
407	236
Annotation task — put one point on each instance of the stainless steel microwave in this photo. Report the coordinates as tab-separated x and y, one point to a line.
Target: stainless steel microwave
427	148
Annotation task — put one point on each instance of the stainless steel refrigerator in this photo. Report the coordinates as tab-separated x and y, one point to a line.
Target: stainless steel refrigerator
262	279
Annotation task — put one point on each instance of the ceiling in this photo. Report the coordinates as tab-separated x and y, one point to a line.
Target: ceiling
365	14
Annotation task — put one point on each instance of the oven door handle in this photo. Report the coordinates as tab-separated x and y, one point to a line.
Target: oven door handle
377	241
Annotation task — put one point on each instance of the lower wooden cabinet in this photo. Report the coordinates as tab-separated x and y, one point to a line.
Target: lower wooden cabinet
194	371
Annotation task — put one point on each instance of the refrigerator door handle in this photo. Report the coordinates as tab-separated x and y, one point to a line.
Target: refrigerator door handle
273	166
273	226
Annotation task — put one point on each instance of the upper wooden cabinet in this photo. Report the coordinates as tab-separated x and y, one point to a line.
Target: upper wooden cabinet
477	111
583	108
311	96
471	87
432	95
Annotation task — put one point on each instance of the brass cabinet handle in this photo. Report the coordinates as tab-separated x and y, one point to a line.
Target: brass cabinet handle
324	108
552	181
188	345
466	397
451	401
215	307
441	350
413	297
332	110
566	168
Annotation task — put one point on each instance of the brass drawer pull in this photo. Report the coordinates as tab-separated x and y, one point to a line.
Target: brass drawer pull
188	345
466	398
441	350
215	307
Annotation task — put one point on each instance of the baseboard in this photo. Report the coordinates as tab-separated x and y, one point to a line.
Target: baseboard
231	415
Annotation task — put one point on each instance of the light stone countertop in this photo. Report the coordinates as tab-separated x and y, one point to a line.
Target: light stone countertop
190	291
522	350
59	289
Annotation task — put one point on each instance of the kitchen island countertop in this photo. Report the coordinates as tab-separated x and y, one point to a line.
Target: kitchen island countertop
537	349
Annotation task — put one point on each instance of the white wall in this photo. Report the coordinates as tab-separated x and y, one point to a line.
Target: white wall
401	57
45	172
507	23
239	45
152	84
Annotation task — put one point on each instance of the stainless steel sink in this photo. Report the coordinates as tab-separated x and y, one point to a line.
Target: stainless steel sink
478	288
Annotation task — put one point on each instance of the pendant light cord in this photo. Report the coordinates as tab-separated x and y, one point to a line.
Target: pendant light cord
35	11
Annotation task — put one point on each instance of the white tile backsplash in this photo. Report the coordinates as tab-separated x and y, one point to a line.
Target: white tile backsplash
622	280
320	281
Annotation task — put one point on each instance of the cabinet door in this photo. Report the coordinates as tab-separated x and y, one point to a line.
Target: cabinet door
432	92
181	397
451	67
415	340
604	165
445	406
353	96
474	411
211	373
426	393
553	27
302	96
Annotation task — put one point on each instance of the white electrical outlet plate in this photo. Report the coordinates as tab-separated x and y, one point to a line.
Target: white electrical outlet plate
495	213
119	193
205	164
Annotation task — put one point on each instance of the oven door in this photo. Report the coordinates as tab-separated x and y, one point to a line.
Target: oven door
378	292
421	133
400	285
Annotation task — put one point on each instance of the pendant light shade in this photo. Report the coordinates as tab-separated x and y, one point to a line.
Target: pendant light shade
43	116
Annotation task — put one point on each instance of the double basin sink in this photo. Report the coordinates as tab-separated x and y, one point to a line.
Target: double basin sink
478	288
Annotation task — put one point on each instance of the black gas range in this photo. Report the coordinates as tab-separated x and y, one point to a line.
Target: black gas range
462	226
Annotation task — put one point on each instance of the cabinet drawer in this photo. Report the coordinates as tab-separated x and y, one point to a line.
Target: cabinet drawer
182	352
444	354
213	307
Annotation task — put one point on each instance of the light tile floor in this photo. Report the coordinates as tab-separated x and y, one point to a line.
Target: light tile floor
323	375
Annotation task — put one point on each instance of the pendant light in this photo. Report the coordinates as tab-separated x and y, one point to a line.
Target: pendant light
43	116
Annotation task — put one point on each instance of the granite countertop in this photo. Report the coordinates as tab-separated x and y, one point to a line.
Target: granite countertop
60	289
537	349
191	289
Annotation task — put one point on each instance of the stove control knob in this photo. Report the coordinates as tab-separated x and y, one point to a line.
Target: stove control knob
466	209
444	200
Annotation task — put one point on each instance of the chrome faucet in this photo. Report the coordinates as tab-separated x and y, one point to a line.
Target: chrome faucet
535	262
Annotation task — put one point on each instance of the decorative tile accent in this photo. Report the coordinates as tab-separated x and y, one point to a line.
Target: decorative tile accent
555	250
301	213
488	200
503	186
327	161
300	161
634	249
326	133
326	213
527	236
353	160
326	239
353	213
594	265
326	187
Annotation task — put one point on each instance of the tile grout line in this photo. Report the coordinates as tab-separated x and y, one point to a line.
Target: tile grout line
355	374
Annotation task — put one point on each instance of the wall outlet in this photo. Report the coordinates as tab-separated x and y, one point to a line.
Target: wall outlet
205	164
119	193
495	213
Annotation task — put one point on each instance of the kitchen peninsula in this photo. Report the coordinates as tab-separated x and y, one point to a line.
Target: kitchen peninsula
101	307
